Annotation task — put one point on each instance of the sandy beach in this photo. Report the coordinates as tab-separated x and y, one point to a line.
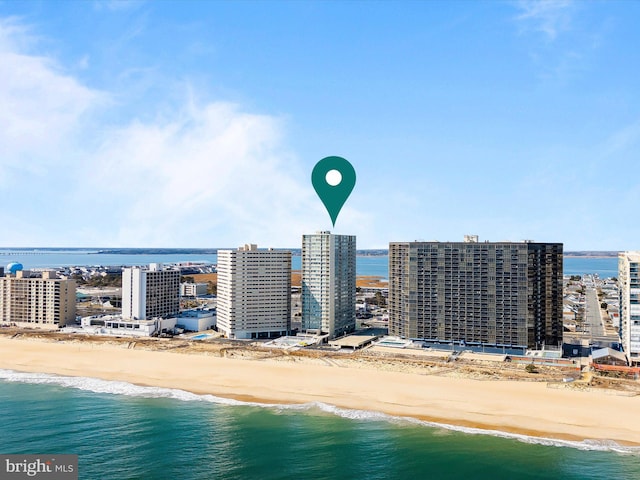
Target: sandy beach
530	408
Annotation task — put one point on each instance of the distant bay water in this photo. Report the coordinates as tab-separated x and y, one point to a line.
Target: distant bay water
605	267
377	265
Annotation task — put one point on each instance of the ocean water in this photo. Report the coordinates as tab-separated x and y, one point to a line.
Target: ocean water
365	265
123	431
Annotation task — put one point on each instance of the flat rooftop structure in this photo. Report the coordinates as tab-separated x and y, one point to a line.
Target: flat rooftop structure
544	353
354	341
483	357
394	342
473	347
547	361
417	352
288	342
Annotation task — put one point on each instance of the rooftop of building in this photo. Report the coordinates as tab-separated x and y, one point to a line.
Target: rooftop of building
153	267
197	313
474	239
252	247
358	339
43	274
632	255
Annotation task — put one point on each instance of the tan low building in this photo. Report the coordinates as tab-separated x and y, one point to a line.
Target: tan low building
41	300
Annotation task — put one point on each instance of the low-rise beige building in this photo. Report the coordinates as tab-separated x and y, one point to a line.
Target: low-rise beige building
43	299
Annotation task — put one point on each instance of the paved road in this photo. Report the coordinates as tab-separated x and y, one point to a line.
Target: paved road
593	318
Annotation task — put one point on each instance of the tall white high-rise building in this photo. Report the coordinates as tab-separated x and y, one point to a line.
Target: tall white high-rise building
254	292
629	285
152	292
329	283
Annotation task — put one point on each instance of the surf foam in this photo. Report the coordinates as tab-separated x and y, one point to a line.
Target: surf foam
96	385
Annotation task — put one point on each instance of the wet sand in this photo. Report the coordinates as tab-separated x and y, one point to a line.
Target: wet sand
529	408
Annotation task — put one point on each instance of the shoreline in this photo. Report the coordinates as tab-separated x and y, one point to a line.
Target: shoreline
527	436
512	407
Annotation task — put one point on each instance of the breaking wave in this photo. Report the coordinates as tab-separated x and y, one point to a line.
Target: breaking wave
96	385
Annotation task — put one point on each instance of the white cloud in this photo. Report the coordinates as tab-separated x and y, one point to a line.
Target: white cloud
40	106
551	17
209	168
562	39
198	174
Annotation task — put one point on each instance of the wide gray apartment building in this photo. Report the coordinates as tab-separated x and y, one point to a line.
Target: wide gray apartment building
483	293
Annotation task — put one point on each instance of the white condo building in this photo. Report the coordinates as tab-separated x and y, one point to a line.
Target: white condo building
193	289
254	292
329	283
152	292
629	284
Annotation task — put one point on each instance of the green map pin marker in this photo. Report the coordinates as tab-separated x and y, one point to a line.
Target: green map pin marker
333	179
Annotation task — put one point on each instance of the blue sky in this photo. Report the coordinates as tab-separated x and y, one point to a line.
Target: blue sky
197	124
